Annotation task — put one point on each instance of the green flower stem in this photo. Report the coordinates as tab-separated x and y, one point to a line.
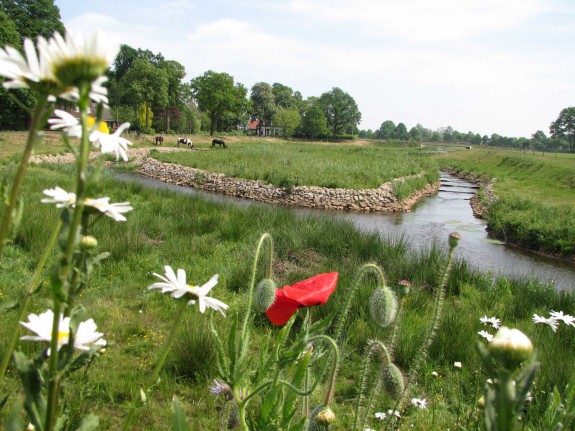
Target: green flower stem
31	287
265	237
396	326
54	377
328	398
33	136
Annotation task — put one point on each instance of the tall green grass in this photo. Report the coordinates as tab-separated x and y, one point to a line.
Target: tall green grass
205	238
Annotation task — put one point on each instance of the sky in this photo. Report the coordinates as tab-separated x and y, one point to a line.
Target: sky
485	66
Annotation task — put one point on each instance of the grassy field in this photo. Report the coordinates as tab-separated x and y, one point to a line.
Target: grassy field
206	238
536	206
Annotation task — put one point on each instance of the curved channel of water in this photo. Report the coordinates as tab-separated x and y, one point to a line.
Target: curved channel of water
432	219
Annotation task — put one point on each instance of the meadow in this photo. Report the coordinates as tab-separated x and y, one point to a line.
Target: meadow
206	238
536	196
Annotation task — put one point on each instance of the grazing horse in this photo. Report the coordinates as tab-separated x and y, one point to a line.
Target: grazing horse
220	142
159	140
184	142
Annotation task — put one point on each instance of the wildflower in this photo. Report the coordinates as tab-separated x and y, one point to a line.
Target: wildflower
565	318
113	143
453	239
552	322
76	58
368	429
221	388
178	287
434	374
486	335
66	122
403	287
85	336
60	197
494	321
394	413
421	404
457	365
114	210
511	346
380	415
312	291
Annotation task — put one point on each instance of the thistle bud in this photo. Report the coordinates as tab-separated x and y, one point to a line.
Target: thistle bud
383	306
321	418
265	294
403	288
510	346
88	242
453	239
233	416
393	381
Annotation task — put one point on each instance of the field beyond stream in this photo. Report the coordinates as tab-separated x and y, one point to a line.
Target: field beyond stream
207	238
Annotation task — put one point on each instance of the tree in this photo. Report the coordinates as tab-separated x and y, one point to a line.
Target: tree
175	72
415	134
284	96
217	95
400	132
539	140
34	18
386	130
288	119
340	110
263	103
564	126
314	123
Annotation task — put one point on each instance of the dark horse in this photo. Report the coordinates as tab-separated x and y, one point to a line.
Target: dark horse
220	142
159	140
185	142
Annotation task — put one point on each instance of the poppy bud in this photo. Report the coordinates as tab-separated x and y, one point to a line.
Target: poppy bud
265	294
510	346
383	306
453	239
403	288
393	382
233	417
321	418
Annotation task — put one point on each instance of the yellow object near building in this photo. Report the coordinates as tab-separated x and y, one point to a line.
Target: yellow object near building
102	126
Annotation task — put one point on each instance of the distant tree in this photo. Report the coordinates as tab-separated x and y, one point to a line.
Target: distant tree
217	95
485	140
435	137
539	141
414	134
423	132
476	139
175	72
400	132
284	96
340	110
447	134
386	130
263	102
8	31
123	62
33	18
288	119
564	127
314	123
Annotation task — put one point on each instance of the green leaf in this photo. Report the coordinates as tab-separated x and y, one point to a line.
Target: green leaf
89	423
7	303
179	422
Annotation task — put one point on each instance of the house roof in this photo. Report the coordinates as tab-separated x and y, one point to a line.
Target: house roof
253	123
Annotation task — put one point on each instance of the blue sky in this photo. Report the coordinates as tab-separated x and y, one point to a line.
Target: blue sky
486	66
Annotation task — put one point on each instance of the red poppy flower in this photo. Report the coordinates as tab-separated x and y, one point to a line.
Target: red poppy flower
312	291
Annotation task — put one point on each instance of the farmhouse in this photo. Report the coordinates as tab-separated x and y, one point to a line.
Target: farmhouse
256	127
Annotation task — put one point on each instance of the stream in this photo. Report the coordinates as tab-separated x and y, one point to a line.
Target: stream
431	219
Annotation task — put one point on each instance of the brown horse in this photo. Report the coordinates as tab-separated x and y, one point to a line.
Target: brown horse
159	140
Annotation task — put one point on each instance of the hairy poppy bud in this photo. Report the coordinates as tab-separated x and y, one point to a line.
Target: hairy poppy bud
383	306
321	418
393	382
265	294
510	346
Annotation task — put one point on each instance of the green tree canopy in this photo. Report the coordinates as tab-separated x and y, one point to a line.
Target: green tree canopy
564	127
314	123
288	119
400	132
217	95
34	18
386	130
340	110
263	102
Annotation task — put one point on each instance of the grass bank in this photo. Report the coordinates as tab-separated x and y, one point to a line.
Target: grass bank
206	238
536	205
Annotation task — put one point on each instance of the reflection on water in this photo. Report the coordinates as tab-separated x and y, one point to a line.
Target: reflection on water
432	219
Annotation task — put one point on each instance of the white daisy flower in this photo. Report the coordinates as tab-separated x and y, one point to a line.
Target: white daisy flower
421	404
78	58
85	337
60	197
368	429
434	374
113	143
486	335
394	413
380	415
457	365
178	287
98	93
66	122
494	321
552	322
25	72
565	318
114	210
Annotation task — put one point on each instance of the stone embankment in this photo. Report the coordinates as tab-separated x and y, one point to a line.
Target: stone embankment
381	199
